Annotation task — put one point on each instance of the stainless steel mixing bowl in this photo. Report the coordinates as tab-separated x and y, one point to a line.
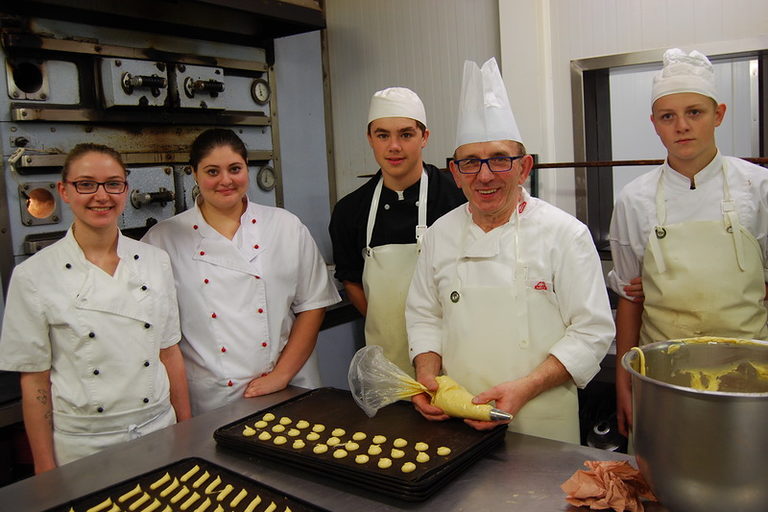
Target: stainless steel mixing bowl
702	450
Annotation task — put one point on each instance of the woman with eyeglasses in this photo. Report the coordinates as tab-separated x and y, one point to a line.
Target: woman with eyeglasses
91	323
251	283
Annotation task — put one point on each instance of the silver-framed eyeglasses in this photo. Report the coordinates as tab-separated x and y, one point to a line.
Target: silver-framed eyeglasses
91	186
495	164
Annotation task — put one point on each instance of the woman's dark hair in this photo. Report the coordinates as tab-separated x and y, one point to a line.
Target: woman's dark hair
212	139
88	147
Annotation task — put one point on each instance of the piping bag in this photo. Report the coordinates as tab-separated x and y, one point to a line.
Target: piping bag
376	382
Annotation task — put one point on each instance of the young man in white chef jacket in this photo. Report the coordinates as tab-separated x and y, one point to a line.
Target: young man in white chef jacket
376	230
508	296
695	228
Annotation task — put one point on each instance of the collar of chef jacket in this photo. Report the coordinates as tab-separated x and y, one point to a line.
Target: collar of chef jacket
237	254
93	295
488	245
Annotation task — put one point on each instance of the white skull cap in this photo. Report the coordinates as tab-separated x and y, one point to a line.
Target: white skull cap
684	73
484	111
397	102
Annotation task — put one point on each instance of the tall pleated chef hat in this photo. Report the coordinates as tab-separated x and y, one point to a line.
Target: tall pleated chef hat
684	73
484	111
397	102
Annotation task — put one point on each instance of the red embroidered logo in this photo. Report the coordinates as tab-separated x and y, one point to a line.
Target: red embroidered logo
522	206
541	285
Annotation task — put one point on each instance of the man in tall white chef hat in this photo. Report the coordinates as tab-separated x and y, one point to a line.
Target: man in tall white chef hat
376	230
508	296
694	228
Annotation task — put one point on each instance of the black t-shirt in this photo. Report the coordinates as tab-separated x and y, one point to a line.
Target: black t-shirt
395	218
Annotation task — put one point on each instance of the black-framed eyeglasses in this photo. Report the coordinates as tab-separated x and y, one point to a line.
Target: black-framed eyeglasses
91	186
495	164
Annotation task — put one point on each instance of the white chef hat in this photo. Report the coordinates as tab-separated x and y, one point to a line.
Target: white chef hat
397	102
684	73
484	111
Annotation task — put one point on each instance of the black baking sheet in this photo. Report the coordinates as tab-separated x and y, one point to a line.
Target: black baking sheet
238	482
335	408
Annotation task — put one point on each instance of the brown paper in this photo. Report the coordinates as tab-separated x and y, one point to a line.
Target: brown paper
608	485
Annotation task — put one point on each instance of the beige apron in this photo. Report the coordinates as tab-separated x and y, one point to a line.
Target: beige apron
498	334
386	278
76	436
702	278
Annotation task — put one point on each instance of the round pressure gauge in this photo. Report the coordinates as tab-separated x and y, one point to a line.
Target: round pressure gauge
266	178
260	91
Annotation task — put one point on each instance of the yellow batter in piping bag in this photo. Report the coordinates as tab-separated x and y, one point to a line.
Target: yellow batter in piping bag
376	382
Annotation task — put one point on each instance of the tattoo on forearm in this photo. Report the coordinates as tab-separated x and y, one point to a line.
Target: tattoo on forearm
42	396
49	417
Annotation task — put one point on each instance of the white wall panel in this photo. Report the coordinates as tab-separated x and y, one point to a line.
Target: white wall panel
301	120
421	45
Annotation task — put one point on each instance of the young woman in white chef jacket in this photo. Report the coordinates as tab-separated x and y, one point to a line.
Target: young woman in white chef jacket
91	322
251	283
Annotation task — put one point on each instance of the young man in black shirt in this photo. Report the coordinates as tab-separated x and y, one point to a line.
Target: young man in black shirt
376	229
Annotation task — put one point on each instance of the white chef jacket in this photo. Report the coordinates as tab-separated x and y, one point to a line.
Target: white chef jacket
238	298
634	214
558	251
101	344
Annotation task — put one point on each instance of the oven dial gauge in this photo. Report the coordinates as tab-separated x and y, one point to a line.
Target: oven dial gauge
266	178
260	91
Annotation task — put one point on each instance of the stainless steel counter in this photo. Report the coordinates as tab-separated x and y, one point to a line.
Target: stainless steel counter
523	474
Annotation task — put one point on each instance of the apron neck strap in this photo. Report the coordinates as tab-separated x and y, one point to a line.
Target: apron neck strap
727	204
727	207
421	224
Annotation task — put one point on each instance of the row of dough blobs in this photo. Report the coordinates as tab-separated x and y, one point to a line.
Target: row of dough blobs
193	492
282	431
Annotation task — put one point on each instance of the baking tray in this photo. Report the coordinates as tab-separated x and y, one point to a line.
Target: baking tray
335	408
177	470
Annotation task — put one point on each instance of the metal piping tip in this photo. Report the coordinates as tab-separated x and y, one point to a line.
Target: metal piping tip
499	415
